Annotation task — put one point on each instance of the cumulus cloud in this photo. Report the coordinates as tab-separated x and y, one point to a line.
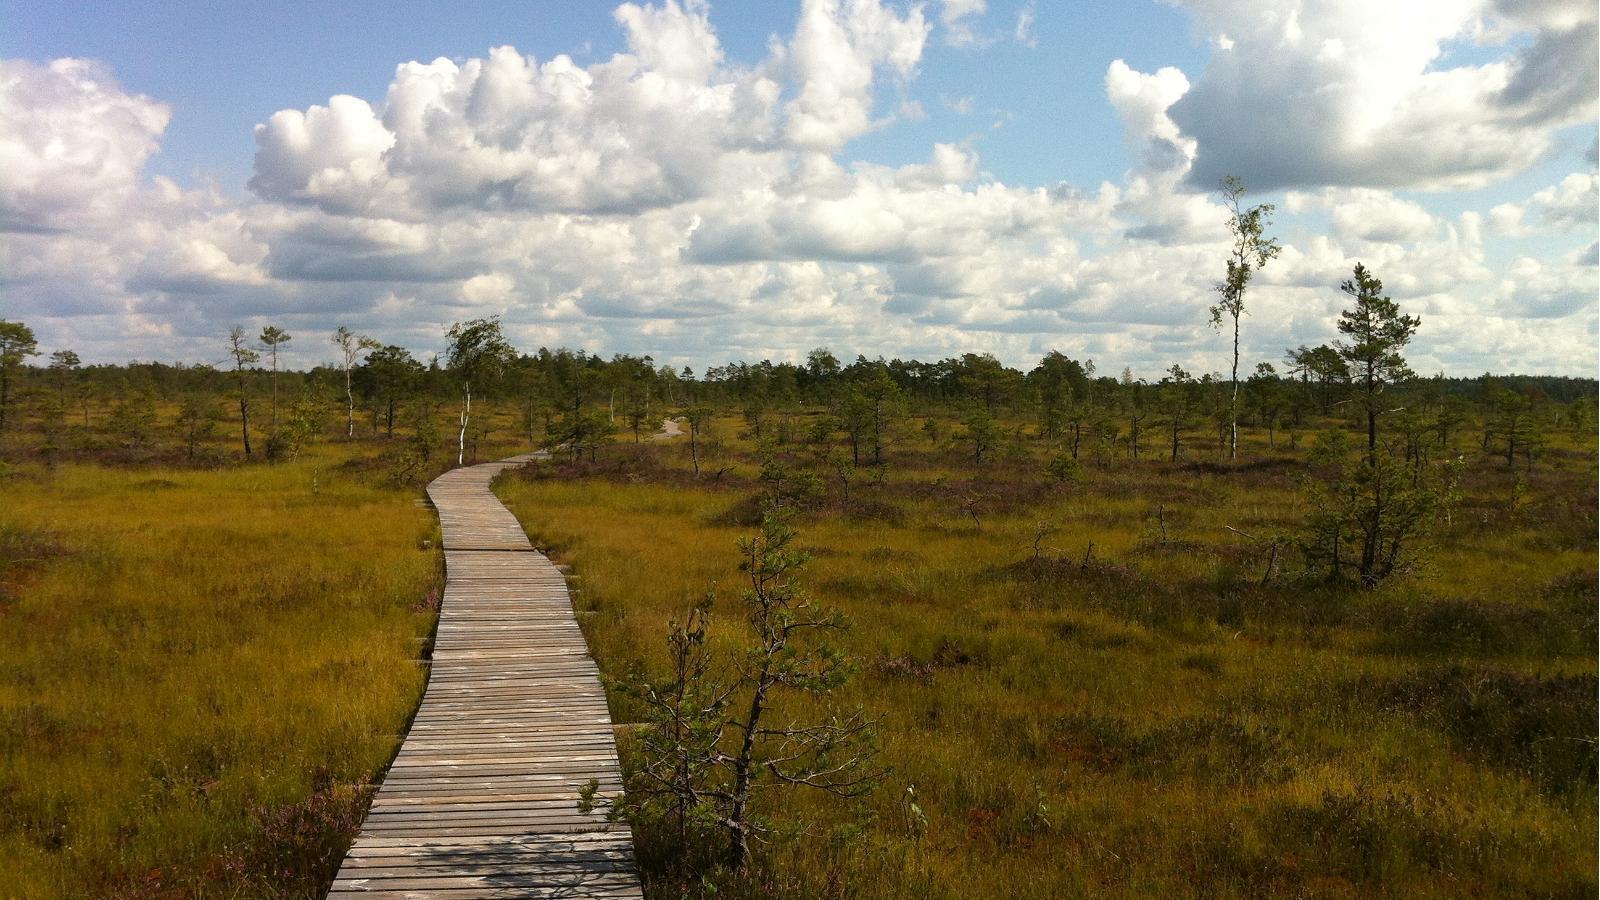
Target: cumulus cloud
1368	214
646	129
88	233
1155	201
672	200
1141	101
1540	290
72	143
509	132
834	55
1572	203
1362	92
328	154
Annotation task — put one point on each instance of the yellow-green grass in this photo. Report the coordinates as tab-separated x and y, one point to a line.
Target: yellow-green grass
1159	725
189	657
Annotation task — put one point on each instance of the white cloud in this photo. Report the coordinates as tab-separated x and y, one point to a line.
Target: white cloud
332	155
956	16
670	200
1569	204
1023	33
1534	289
834	55
493	289
674	41
1359	92
961	106
1368	214
72	143
507	132
1155	202
1141	102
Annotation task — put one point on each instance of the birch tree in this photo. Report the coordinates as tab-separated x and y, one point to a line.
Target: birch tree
351	346
477	351
1251	250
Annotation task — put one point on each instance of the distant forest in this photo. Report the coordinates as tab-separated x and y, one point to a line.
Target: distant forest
573	396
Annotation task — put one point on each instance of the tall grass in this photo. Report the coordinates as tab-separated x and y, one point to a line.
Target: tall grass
199	670
1156	722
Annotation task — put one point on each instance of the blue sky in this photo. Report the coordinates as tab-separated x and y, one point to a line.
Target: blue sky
888	177
224	67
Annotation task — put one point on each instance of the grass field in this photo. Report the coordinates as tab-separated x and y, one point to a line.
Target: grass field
209	661
201	666
1156	722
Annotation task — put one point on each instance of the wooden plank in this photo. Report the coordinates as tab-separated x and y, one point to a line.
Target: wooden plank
482	797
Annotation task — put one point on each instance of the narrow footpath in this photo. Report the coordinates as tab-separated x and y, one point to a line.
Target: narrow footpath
482	800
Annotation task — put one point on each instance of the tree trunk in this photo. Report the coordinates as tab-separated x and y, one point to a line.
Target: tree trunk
350	405
461	437
1233	400
244	421
877	433
1370	536
274	390
579	430
738	827
1372	418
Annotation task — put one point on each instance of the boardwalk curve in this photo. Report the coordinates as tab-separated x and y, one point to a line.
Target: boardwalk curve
481	801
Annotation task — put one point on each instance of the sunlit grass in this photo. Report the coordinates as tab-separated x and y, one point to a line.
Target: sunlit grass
200	649
1161	724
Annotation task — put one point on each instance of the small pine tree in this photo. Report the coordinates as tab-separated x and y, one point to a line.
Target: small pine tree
244	360
699	419
1368	513
709	743
982	433
197	422
1372	517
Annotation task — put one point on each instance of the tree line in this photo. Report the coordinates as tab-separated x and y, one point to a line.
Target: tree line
581	399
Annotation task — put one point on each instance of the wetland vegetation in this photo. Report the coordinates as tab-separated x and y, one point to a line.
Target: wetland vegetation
1099	656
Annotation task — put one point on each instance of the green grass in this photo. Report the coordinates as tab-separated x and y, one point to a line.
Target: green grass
200	668
205	665
1157	723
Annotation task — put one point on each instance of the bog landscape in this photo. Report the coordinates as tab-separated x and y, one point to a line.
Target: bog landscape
624	474
1067	644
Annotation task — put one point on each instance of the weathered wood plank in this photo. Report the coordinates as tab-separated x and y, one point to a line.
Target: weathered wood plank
481	799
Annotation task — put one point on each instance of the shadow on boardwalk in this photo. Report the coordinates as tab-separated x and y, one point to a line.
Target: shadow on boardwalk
482	799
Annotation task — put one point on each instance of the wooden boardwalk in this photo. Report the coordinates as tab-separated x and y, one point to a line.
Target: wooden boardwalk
482	800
